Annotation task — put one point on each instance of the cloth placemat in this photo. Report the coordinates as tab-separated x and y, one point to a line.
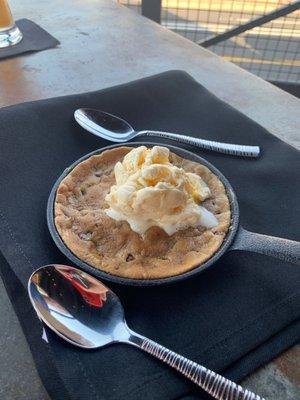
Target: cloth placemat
35	38
232	318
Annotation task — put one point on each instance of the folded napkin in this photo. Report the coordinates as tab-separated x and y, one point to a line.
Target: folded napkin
232	318
35	38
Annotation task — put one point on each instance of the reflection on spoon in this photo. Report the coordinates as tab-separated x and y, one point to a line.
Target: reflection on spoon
89	288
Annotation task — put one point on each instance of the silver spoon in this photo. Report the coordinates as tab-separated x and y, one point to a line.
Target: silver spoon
83	311
115	129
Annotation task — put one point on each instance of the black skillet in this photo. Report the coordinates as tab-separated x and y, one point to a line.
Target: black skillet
237	237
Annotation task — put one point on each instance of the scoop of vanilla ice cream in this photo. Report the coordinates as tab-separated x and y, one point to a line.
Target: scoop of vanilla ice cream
150	191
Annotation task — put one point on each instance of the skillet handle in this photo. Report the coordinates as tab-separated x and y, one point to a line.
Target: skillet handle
284	249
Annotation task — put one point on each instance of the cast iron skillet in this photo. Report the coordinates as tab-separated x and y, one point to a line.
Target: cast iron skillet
237	238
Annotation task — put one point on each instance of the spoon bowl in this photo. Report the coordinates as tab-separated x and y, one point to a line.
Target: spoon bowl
86	313
77	306
105	125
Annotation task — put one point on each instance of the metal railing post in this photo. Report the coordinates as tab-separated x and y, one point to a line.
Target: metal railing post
152	9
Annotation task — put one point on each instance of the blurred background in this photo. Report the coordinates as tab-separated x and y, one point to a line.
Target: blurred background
262	36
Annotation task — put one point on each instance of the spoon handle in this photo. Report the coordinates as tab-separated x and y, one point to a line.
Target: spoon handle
227	148
216	385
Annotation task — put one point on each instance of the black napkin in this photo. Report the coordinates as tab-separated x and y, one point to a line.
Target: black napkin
35	38
233	318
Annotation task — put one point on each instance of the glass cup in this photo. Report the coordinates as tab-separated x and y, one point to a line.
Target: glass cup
9	32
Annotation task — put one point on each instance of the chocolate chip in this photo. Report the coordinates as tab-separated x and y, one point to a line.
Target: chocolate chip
129	258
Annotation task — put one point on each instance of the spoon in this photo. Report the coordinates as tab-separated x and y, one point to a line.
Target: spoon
81	310
115	129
